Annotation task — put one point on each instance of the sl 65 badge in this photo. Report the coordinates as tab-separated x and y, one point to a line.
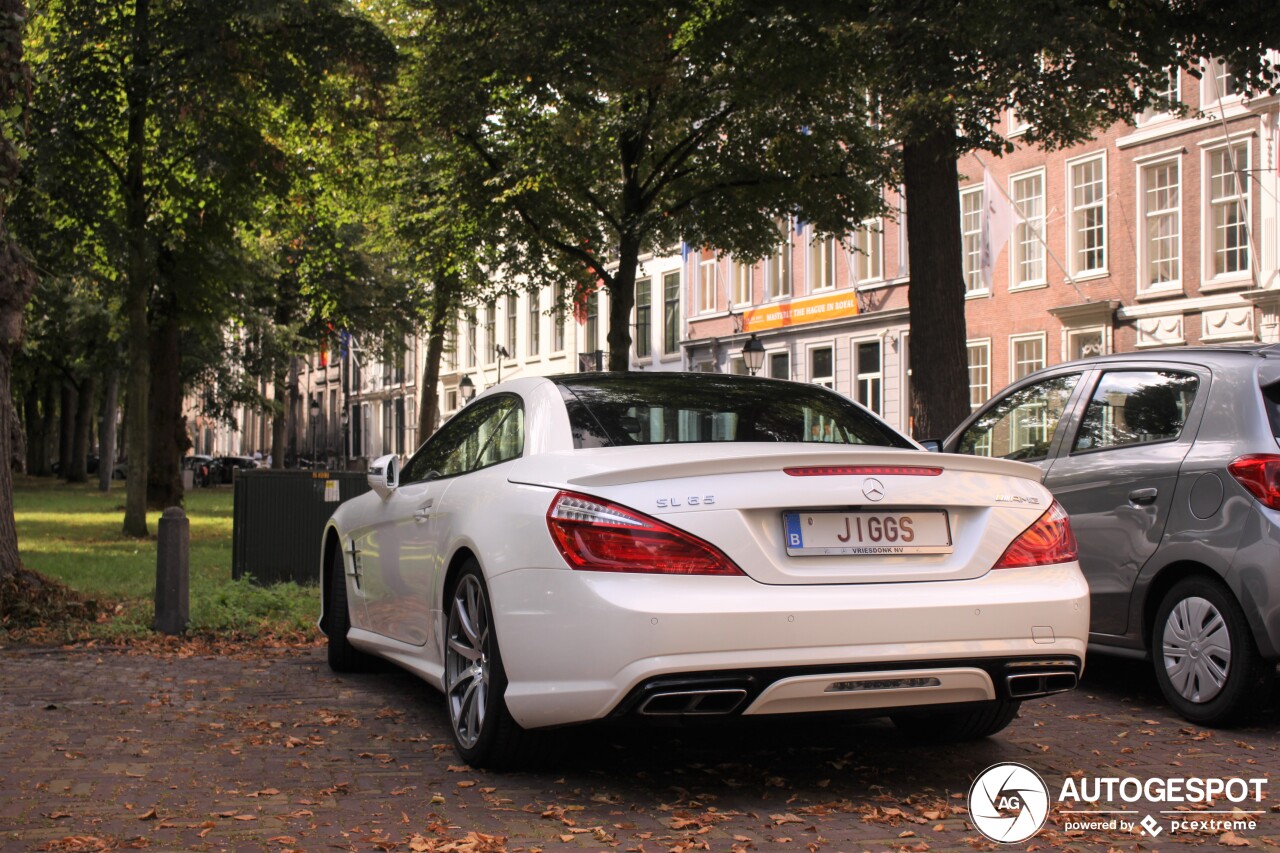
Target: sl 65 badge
667	503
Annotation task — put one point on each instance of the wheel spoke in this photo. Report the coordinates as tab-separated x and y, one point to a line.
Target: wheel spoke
1196	643
466	665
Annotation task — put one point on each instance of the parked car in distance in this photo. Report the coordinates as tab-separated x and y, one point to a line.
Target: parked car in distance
664	546
1167	462
198	464
223	468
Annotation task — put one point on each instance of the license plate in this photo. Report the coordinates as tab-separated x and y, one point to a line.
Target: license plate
885	533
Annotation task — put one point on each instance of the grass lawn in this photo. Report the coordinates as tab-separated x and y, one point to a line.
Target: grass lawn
72	533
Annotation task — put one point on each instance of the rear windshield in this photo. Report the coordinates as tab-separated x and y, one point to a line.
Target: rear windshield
1271	396
627	409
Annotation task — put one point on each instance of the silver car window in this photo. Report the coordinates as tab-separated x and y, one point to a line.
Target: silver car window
1021	425
1136	407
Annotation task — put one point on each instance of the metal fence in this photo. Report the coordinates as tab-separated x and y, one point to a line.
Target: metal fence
278	518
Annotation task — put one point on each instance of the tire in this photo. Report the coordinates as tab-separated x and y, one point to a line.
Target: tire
475	681
974	723
1206	662
343	657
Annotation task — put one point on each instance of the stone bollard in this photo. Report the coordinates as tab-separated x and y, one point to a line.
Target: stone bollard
173	590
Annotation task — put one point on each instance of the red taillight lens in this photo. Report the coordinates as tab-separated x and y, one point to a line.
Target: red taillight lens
1044	543
596	535
1260	474
864	470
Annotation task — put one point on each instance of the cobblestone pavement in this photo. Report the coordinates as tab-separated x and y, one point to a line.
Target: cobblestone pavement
102	750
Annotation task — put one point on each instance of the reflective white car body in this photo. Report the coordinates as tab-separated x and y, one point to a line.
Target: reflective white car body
805	633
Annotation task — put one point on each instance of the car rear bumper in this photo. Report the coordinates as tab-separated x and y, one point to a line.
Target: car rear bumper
578	646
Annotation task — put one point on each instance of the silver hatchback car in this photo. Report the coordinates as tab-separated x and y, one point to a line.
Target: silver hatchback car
1168	462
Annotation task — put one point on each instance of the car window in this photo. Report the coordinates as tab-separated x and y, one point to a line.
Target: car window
1021	424
1136	407
636	408
485	433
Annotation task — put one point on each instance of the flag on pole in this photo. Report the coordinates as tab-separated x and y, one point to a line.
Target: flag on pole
998	221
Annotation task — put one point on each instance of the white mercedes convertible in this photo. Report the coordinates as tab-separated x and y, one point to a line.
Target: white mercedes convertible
679	546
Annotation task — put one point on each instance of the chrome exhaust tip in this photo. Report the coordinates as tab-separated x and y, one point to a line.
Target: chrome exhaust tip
1028	685
693	702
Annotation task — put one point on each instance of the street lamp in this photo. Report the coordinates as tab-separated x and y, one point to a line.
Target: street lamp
315	425
467	389
753	354
346	439
501	353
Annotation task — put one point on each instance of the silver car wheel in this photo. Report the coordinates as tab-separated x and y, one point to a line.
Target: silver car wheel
1197	649
467	660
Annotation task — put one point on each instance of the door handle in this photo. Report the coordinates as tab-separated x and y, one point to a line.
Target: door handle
423	512
1143	497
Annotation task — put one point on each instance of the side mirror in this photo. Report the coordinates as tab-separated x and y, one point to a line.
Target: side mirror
384	475
933	445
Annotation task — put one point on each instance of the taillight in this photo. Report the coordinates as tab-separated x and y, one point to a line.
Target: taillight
1260	474
1044	543
864	470
596	535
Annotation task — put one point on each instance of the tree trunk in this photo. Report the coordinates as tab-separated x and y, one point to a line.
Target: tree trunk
140	279
443	299
940	390
17	438
79	470
37	460
48	428
17	278
168	429
9	561
622	299
66	427
107	431
278	425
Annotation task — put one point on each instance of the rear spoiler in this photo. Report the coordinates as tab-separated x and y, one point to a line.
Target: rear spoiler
618	466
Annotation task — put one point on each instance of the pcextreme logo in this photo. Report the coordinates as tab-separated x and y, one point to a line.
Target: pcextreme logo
1009	803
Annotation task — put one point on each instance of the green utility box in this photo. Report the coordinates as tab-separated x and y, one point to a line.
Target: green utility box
279	517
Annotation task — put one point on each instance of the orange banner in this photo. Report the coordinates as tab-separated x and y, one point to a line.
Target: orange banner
796	312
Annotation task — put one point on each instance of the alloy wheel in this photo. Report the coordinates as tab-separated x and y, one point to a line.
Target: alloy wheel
467	660
1197	649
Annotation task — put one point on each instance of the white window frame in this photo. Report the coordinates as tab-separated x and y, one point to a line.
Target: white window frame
908	382
873	376
1172	95
705	294
777	276
1075	242
825	381
741	283
971	242
904	245
559	321
1146	214
533	327
511	329
868	254
1029	233
1208	222
978	345
637	338
1039	337
820	264
1214	74
1072	335
1017	124
768	363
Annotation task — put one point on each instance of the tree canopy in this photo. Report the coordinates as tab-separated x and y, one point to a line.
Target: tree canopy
602	131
